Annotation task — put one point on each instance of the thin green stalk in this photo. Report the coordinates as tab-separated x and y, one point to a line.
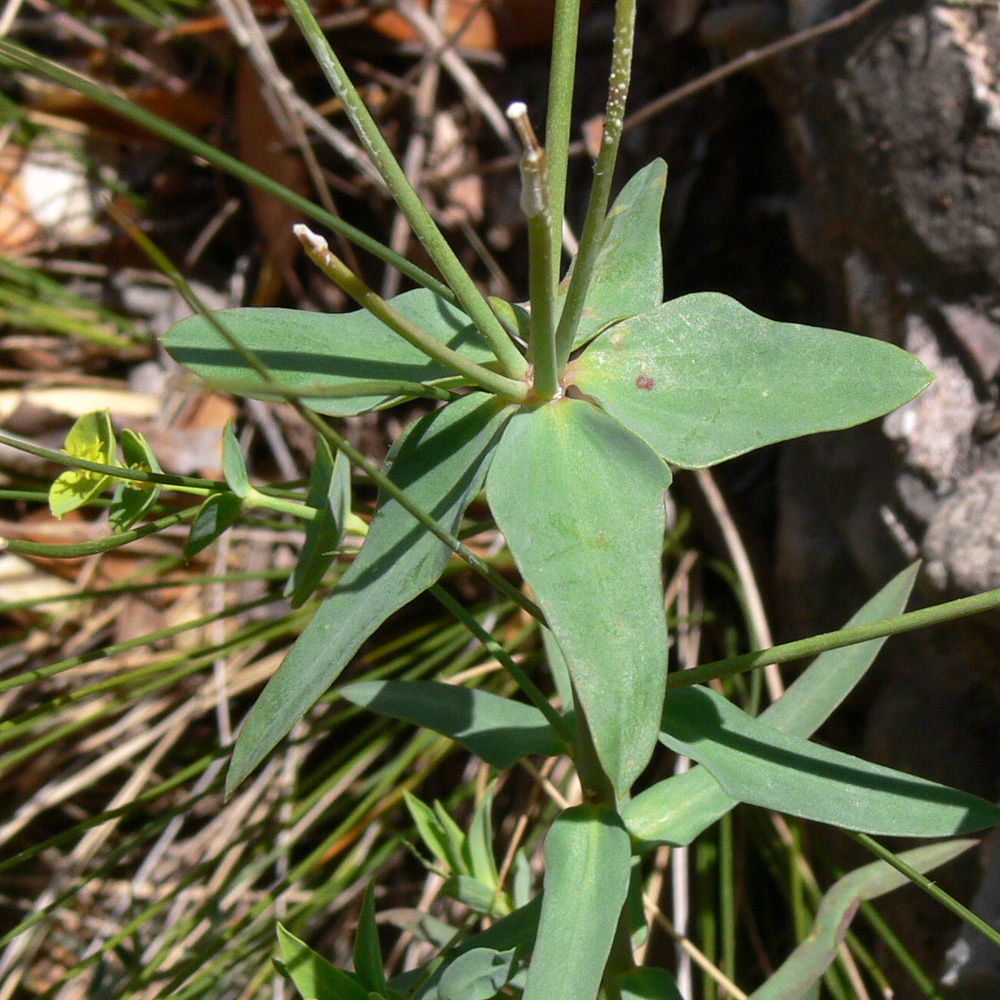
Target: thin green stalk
198	580
18	58
426	230
788	651
75	550
526	684
336	440
346	390
535	202
600	193
559	121
923	882
185	483
319	252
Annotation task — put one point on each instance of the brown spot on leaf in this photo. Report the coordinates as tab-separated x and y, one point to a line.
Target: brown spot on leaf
644	381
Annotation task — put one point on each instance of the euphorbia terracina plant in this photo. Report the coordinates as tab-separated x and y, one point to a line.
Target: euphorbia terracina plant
569	410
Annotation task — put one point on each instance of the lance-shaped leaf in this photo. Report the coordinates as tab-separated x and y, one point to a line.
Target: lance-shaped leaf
441	464
702	378
330	497
804	967
315	978
234	465
628	273
580	501
497	729
216	516
319	351
368	965
133	499
587	867
756	763
676	810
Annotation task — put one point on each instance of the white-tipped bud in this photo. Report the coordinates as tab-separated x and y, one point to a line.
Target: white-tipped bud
312	242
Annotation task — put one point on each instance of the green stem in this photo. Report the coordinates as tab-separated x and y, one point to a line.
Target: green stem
77	549
559	120
426	230
600	193
346	390
923	882
22	59
784	653
341	275
526	684
254	498
187	484
535	202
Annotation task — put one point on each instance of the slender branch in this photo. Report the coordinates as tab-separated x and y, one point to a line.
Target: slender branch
558	122
319	252
75	550
600	193
183	483
424	227
786	652
923	882
524	682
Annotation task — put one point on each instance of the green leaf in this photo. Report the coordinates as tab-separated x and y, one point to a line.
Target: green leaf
479	974
479	842
317	351
454	839
587	868
580	501
132	499
233	465
367	950
804	967
676	810
515	931
522	876
432	832
756	763
314	977
441	463
475	894
93	439
648	984
215	516
497	729
628	273
702	378
330	496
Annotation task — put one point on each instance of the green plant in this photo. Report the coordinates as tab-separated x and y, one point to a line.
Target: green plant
572	440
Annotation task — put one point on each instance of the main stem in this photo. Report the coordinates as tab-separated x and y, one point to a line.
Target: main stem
600	193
